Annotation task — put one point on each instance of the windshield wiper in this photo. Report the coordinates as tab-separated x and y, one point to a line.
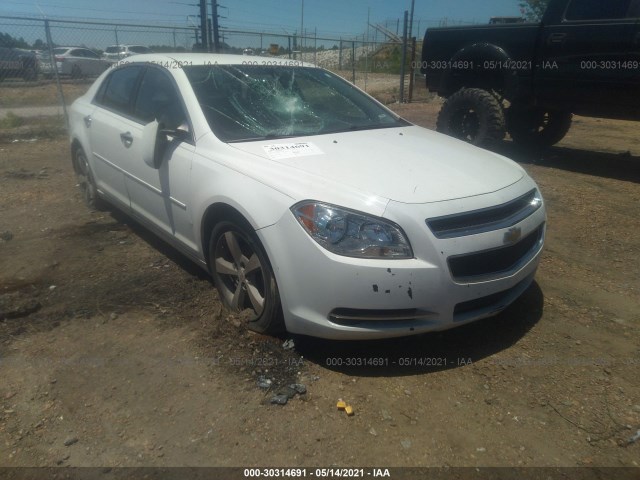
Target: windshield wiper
269	136
357	128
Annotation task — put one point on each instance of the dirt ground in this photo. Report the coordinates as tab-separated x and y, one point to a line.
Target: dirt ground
114	350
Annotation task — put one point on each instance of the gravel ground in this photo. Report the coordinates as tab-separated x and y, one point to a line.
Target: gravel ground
114	350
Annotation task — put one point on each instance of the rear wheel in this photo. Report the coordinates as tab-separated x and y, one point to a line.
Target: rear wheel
473	115
76	72
86	181
537	127
244	277
30	74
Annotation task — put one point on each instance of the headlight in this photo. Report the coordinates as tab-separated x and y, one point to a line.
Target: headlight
353	234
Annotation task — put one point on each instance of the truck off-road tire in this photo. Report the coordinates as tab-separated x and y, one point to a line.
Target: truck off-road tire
532	127
473	115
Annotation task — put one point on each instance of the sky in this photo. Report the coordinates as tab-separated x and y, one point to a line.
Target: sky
327	18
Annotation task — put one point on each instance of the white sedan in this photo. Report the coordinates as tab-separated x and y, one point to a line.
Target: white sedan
79	62
313	206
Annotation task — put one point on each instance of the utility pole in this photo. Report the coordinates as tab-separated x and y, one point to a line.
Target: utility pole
413	6
216	26
203	25
302	29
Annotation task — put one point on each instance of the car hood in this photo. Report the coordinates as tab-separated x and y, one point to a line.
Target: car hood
407	164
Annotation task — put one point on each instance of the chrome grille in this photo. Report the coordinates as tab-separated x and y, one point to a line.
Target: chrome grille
485	219
489	263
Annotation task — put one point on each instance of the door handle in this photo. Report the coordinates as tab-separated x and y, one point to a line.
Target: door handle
87	121
556	38
127	139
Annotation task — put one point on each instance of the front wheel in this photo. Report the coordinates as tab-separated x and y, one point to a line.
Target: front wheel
473	115
534	127
244	277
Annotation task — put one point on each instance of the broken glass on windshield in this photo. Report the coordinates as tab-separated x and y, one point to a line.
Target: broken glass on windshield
250	102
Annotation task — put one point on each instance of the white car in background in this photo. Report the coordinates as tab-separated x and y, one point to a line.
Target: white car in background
313	206
118	52
79	62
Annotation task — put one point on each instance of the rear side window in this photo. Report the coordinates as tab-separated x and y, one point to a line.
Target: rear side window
120	89
597	9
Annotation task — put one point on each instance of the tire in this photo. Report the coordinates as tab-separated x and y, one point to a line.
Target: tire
535	127
76	73
86	181
243	276
473	115
30	74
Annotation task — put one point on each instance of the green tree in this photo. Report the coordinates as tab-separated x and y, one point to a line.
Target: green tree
533	10
7	40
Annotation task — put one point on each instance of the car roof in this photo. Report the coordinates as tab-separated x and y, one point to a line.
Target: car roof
213	58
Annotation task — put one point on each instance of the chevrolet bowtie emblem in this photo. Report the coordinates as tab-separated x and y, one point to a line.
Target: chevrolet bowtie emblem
512	235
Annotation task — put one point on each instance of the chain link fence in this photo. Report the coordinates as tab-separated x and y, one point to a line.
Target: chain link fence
46	64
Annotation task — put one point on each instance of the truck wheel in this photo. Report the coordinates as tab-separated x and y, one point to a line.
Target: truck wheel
473	115
535	127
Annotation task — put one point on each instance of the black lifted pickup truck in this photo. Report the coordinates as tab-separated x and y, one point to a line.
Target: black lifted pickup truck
528	79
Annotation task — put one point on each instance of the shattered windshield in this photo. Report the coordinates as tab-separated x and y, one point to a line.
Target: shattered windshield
251	102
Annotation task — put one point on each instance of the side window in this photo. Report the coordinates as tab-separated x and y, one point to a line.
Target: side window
158	99
120	89
89	54
597	9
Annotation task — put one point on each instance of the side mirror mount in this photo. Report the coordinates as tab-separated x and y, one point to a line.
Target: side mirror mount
180	133
153	143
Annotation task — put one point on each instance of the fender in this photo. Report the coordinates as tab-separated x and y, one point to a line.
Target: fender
487	72
243	195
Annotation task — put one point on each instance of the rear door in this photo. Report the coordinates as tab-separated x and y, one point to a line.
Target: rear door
112	126
92	63
584	61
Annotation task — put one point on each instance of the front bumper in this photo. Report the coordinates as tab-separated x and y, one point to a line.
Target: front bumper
336	297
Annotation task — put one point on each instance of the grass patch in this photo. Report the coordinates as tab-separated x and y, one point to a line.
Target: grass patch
11	120
21	94
37	127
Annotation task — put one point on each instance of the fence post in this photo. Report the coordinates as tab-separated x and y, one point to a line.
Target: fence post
353	62
340	56
47	31
412	69
404	56
117	42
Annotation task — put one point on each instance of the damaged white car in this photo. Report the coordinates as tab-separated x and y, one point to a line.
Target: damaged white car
314	207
